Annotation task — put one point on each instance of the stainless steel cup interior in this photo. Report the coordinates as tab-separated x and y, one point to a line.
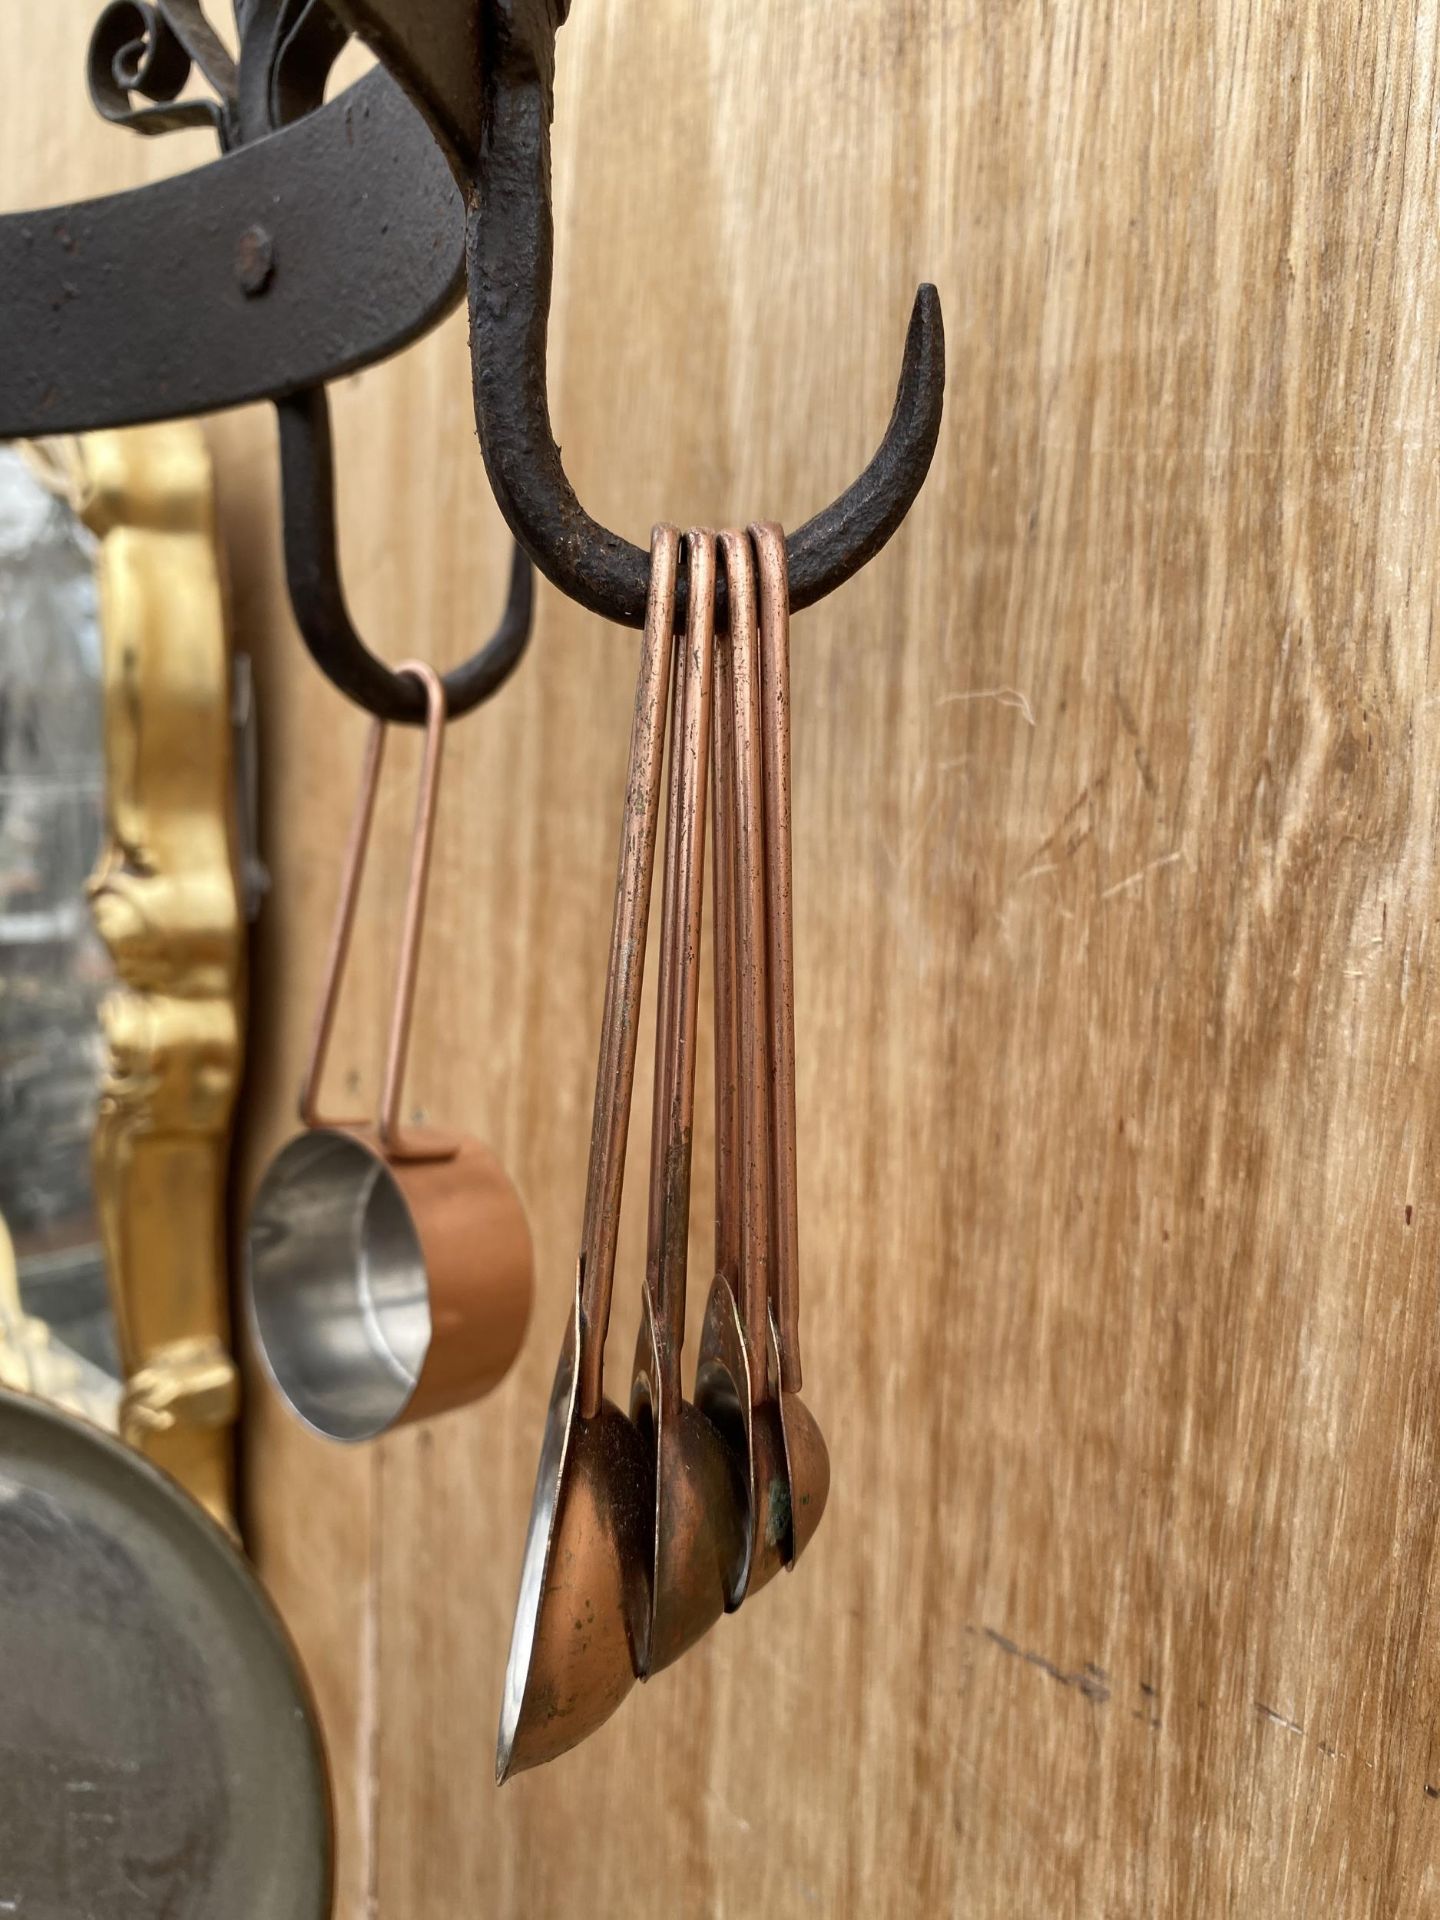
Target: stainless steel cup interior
339	1298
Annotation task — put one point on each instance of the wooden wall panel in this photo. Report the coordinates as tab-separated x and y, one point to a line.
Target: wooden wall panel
1117	896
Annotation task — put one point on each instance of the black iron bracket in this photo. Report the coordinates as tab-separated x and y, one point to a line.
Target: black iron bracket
321	248
330	235
327	237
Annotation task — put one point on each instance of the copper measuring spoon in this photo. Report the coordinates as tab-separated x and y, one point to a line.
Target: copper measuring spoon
582	1615
699	1540
737	1377
807	1457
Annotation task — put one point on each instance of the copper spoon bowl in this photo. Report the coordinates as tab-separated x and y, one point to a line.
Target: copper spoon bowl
698	1533
578	1637
582	1616
749	1421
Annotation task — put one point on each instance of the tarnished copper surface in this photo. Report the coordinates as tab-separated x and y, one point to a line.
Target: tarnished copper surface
726	962
479	1267
806	1455
698	1532
733	1374
620	1023
751	971
582	1616
722	1372
642	1534
584	1600
780	943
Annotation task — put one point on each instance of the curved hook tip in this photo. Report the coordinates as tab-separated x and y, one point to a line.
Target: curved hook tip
920	396
925	345
848	534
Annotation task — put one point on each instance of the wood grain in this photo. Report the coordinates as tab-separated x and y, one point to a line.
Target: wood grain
1116	882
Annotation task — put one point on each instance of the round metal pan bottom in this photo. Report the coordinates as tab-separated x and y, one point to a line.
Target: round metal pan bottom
159	1757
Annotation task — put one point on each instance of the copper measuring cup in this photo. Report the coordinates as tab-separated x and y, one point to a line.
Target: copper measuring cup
698	1535
582	1616
806	1455
737	1376
389	1272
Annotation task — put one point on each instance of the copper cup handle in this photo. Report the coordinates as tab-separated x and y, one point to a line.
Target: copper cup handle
394	1144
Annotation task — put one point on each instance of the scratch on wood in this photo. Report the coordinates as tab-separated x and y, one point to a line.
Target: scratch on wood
1135	879
718	1800
1132	727
1278	1719
1003	696
1091	1680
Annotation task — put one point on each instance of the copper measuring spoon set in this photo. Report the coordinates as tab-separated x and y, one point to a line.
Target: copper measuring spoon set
648	1524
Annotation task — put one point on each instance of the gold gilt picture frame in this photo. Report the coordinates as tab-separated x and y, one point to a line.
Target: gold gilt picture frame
166	899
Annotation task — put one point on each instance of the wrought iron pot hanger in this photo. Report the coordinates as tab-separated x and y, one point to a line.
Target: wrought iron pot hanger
329	235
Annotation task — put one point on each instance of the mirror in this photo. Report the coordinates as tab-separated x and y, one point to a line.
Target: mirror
57	1330
121	943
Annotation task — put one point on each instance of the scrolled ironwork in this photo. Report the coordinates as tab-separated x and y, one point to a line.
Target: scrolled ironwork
140	60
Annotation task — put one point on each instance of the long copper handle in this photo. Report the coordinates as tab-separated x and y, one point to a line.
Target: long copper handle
357	848
615	1078
750	972
726	965
681	924
665	993
780	934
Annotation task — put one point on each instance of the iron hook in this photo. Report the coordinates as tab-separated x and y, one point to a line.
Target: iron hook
296	45
317	593
305	40
492	117
302	41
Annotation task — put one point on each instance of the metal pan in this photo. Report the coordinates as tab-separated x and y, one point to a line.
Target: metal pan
159	1752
